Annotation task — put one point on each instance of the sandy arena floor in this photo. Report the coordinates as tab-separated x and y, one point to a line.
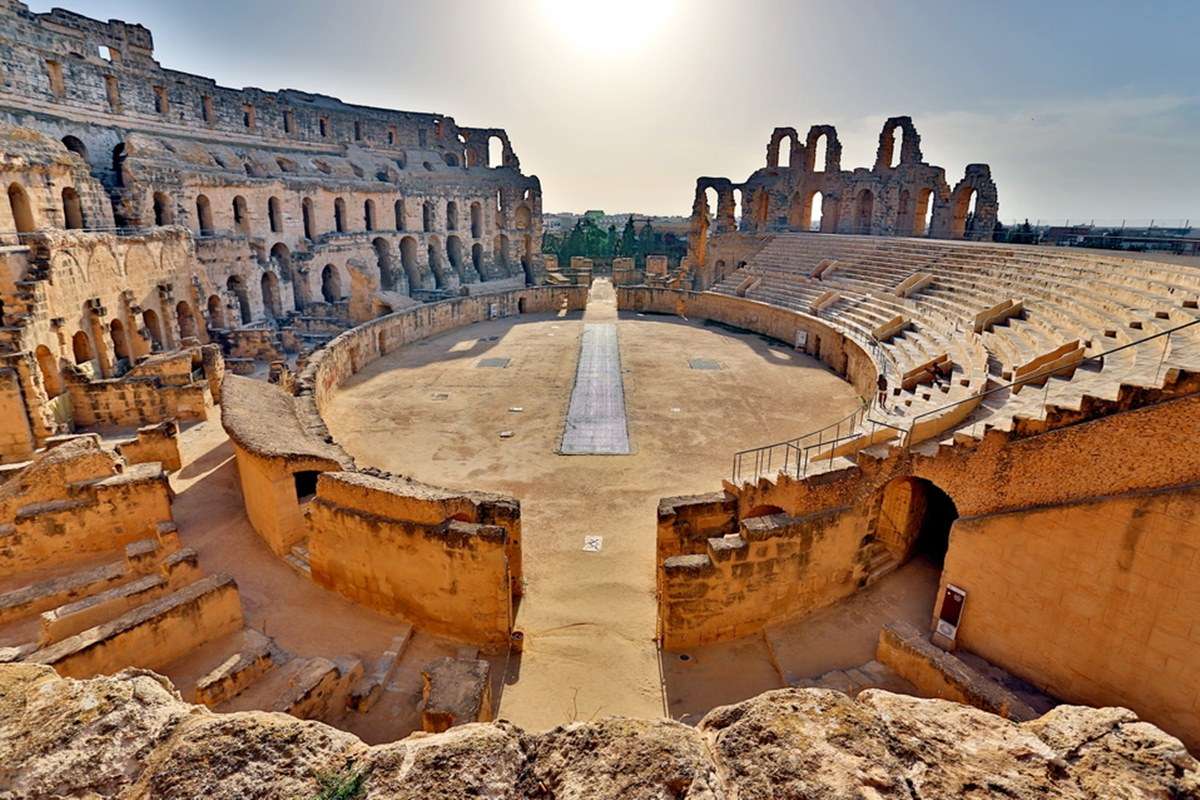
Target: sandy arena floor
588	617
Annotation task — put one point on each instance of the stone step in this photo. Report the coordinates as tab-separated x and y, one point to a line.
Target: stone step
367	691
254	658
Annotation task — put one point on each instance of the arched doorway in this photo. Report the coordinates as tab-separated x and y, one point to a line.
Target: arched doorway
270	295
216	312
476	220
383	259
120	342
22	212
477	258
331	284
454	253
48	365
435	264
187	320
204	219
238	287
152	326
408	260
963	220
72	208
864	208
241	215
81	347
73	144
915	517
164	210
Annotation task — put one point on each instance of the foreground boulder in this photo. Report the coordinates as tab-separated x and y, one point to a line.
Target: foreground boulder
130	736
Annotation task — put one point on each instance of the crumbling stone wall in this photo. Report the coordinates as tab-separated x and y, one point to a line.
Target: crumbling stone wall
146	207
900	195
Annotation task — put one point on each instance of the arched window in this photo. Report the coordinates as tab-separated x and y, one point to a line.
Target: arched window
451	216
369	215
427	216
784	160
897	137
274	215
923	215
495	152
120	342
270	295
187	320
331	284
963	220
339	215
72	208
523	217
310	229
241	216
118	164
238	287
82	347
818	156
408	259
477	257
51	376
383	259
164	210
501	252
152	328
398	209
204	218
73	144
476	220
22	213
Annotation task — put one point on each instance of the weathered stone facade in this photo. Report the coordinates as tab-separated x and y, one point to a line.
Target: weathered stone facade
147	207
900	195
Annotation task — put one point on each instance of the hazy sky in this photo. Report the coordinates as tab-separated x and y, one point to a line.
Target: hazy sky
1082	109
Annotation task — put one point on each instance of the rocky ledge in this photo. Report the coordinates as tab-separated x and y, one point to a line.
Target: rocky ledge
131	736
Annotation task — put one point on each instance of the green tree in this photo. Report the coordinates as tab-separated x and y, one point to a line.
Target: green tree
629	240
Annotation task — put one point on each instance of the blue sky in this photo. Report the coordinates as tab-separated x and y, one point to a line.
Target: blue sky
1084	110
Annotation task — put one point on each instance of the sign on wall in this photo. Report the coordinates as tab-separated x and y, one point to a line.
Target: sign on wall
801	340
951	611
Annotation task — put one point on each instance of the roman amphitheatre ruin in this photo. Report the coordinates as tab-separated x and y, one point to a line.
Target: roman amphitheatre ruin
318	475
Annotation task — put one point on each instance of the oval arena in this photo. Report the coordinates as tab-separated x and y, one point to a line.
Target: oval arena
299	416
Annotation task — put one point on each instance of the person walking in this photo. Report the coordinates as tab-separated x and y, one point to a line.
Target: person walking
882	383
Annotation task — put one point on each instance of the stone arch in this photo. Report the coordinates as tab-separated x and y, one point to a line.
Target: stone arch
153	327
331	284
383	260
495	151
369	215
780	156
973	205
427	216
864	210
398	210
269	285
51	374
22	211
306	211
476	220
241	215
915	518
339	215
500	253
274	215
81	347
76	146
408	260
72	208
451	215
204	218
118	164
454	253
164	210
120	341
216	311
923	212
186	320
433	257
822	150
899	144
477	257
237	286
523	217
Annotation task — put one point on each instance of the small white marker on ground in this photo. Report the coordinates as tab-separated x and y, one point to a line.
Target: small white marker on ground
506	434
592	544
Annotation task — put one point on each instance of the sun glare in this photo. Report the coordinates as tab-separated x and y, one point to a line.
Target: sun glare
610	26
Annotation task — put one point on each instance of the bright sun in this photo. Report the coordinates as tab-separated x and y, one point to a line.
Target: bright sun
608	25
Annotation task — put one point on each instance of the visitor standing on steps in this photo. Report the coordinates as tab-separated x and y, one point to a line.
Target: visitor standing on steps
883	386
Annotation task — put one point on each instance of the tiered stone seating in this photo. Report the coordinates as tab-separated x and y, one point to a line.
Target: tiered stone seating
1068	305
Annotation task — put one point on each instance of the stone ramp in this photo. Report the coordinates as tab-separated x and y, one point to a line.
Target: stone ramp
596	423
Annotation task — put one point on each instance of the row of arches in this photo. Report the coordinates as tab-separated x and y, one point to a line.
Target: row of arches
21	210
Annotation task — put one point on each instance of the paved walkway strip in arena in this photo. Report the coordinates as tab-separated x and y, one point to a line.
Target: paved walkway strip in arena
596	422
